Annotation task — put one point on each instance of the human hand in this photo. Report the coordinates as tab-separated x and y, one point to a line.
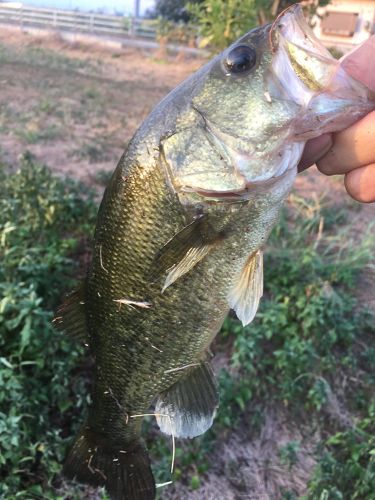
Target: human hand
352	151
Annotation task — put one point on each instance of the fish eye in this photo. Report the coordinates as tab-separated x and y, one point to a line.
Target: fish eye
240	59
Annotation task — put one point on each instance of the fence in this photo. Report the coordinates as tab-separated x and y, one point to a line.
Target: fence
78	21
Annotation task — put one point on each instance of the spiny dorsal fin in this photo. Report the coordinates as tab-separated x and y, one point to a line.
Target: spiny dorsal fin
187	409
70	316
182	252
245	295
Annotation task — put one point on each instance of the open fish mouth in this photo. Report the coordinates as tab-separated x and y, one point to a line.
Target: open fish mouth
302	64
293	90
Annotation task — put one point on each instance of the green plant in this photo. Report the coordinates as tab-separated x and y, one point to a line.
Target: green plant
102	177
34	133
305	340
179	33
289	453
221	21
346	465
95	150
42	222
309	335
43	57
307	323
172	10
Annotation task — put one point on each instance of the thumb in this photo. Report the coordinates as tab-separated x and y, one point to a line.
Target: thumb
360	63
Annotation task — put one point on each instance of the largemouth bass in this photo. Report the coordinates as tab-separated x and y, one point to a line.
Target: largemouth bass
179	238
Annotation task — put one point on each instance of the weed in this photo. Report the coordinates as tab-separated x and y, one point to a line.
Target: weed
309	336
42	220
346	466
38	56
307	323
306	336
95	150
289	453
102	177
34	133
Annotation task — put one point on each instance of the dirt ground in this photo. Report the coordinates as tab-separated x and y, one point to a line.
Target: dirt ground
75	107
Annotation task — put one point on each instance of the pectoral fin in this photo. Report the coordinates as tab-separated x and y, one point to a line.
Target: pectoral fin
184	251
245	295
188	408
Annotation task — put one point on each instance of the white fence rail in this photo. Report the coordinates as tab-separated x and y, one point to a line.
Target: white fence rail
79	21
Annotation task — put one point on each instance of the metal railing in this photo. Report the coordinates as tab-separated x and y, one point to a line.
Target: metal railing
78	21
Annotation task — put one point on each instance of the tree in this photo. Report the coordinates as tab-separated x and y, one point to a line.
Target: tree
173	10
267	10
223	21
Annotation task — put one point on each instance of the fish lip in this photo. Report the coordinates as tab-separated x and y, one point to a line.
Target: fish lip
291	22
296	11
241	194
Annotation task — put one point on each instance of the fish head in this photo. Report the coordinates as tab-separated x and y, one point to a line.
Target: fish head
253	107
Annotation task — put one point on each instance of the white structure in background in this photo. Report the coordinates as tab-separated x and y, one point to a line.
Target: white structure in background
345	23
134	8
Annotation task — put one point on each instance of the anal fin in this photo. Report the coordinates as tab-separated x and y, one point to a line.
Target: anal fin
70	316
187	409
245	295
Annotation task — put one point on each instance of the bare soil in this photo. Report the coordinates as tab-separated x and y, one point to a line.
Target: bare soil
75	107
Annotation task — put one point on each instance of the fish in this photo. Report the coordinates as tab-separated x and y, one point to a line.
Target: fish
180	235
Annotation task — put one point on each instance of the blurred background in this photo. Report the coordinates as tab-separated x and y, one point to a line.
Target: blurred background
297	413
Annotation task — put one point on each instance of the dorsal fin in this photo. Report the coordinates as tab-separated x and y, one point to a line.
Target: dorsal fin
245	295
185	250
187	409
70	316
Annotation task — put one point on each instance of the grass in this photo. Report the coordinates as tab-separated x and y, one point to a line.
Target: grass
310	350
95	150
43	57
34	133
57	96
43	222
306	330
310	342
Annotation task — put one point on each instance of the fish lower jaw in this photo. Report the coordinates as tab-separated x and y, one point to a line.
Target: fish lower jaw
251	188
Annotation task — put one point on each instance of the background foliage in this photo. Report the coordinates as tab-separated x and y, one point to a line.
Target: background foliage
43	221
172	10
309	336
220	22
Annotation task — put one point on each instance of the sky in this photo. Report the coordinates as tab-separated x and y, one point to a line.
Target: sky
108	6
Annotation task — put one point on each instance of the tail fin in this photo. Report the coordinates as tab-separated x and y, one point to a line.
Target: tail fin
125	473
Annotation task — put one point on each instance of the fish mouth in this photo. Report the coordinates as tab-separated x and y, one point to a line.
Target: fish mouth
301	63
241	195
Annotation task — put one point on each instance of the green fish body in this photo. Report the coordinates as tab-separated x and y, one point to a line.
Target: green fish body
179	237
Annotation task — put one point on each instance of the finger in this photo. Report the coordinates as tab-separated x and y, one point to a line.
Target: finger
351	148
314	150
360	183
360	63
